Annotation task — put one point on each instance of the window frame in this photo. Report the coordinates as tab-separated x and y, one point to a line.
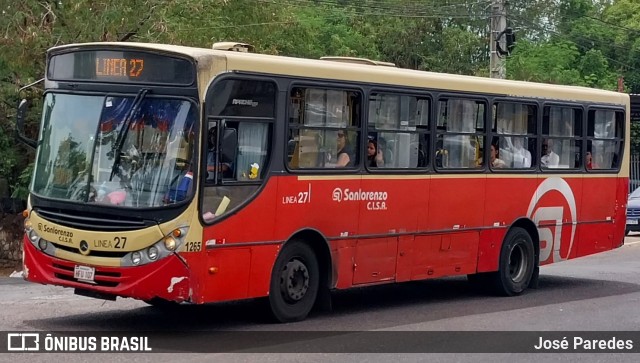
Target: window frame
619	139
579	138
535	135
483	98
289	126
420	131
208	116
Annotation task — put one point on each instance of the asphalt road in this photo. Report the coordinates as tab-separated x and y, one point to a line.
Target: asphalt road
594	293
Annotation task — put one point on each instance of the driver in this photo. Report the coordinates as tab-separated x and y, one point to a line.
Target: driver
225	168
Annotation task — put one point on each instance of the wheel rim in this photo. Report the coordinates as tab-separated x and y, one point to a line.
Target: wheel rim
294	281
518	263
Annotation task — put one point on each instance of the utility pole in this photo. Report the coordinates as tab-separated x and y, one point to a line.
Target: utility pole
498	24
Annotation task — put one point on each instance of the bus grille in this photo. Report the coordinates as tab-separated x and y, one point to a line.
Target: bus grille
102	278
118	254
93	221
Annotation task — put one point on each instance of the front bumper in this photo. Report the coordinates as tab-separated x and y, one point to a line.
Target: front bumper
168	278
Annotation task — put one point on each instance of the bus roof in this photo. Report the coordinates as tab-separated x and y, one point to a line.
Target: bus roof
384	75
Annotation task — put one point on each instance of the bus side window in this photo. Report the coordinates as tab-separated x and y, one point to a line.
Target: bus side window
306	152
292	153
442	155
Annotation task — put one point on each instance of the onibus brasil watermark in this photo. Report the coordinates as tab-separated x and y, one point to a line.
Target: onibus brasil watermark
47	342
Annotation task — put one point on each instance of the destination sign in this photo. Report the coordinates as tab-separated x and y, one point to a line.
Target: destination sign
120	66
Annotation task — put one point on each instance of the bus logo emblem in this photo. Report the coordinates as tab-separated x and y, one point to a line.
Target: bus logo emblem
84	247
550	219
337	195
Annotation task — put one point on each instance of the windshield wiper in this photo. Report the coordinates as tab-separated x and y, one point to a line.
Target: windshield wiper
122	135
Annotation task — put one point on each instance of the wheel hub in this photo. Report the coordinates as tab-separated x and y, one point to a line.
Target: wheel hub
294	280
517	263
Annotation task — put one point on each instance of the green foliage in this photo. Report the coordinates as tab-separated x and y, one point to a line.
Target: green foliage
8	160
560	62
21	186
549	62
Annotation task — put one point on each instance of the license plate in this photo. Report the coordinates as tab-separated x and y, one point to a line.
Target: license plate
632	221
84	273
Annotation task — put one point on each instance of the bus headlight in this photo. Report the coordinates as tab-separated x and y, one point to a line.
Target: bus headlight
152	252
33	236
136	258
170	243
164	247
27	225
42	244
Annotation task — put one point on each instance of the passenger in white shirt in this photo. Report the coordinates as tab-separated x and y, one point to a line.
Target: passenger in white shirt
549	158
517	156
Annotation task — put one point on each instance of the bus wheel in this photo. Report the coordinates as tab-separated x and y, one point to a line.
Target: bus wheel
294	283
516	263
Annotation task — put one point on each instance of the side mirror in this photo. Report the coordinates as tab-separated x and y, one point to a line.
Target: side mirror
23	106
229	146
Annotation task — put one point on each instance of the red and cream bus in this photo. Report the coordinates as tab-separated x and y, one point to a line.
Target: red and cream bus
177	174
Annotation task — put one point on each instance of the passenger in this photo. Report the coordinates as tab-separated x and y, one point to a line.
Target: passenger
224	168
549	158
345	154
521	157
374	154
589	160
495	161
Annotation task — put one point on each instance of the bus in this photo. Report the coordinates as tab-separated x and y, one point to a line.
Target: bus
175	174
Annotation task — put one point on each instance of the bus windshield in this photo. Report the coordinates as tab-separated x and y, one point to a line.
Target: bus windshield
130	151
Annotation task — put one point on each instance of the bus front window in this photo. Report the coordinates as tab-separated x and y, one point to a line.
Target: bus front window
116	150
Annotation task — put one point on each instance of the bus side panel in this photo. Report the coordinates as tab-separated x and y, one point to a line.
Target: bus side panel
327	206
425	252
596	213
389	206
197	262
567	249
555	212
506	200
622	197
375	260
412	248
455	209
489	247
404	260
229	279
445	255
343	255
321	205
262	260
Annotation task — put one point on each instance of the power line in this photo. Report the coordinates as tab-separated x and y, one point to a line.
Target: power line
611	24
565	37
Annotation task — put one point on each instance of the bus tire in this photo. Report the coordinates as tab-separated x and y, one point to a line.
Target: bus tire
517	263
294	282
